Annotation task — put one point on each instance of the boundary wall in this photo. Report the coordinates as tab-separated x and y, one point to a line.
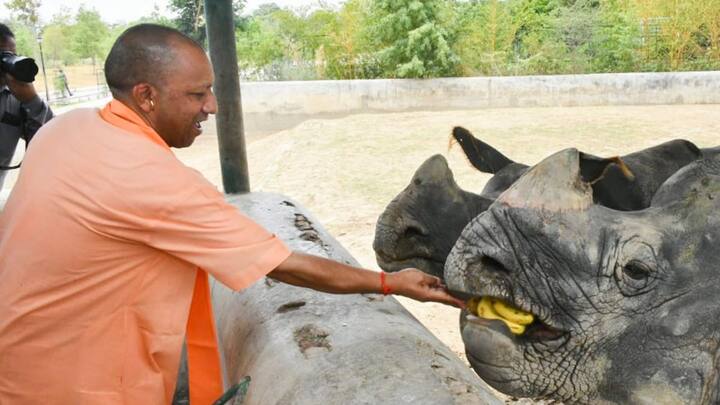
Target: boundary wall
273	106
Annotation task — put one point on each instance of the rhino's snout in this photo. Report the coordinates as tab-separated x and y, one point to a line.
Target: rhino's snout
484	275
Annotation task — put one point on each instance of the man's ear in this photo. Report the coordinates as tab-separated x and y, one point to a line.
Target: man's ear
144	95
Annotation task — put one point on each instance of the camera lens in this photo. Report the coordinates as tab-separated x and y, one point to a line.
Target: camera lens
20	67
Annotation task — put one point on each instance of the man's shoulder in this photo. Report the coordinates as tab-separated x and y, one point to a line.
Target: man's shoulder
85	132
73	118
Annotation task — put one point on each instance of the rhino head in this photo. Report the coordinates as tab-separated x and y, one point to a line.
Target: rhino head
626	304
421	224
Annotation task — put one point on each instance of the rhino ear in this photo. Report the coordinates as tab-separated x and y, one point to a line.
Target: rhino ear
481	155
434	171
593	168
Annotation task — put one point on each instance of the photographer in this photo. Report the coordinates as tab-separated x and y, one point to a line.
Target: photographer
22	112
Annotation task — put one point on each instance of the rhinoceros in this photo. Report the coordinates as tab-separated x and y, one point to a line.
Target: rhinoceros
625	305
419	226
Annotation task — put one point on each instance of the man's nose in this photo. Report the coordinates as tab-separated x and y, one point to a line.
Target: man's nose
210	106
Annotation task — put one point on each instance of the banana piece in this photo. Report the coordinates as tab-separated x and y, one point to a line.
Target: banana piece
512	314
472	305
485	310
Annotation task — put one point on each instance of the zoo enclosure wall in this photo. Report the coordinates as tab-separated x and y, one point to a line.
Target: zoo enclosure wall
274	106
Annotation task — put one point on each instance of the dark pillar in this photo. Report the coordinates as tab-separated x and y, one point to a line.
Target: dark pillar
231	135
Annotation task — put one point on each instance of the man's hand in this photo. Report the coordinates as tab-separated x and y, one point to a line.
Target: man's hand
327	275
415	284
21	90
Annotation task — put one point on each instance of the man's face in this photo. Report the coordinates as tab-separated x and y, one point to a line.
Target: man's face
6	44
185	98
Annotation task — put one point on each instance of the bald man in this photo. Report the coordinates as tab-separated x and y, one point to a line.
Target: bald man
105	248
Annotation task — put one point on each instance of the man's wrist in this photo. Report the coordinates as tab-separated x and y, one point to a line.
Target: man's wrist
384	285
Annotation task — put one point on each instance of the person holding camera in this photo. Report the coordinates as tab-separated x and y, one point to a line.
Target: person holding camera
22	111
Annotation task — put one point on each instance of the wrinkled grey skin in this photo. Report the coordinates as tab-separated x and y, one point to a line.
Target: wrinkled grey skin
628	301
420	225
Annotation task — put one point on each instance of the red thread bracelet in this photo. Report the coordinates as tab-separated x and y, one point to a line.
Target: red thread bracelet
384	287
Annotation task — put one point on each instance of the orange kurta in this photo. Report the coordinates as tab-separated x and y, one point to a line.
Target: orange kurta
100	244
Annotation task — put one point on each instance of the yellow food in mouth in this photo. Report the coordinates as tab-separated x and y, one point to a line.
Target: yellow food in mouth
492	308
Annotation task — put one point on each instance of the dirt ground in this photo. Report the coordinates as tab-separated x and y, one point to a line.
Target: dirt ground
346	170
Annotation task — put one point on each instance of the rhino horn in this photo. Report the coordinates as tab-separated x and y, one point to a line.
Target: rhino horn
556	184
434	170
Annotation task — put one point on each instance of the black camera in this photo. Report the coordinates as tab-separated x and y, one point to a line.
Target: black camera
20	67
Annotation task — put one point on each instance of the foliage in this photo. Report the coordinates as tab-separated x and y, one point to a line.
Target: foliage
191	17
485	35
362	39
411	40
25	42
616	43
25	11
348	49
680	35
88	34
57	37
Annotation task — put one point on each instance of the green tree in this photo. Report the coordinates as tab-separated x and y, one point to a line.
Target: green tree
26	11
57	39
616	44
485	34
537	47
265	9
293	43
411	40
24	24
25	42
88	34
258	43
191	17
347	49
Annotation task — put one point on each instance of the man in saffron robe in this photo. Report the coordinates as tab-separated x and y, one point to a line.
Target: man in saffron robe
107	240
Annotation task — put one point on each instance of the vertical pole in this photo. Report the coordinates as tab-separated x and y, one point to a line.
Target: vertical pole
42	63
231	137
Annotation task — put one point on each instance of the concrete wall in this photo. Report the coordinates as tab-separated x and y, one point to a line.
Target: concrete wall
303	347
272	106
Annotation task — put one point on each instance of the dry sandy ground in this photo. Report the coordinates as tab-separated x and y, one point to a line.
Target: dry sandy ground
346	170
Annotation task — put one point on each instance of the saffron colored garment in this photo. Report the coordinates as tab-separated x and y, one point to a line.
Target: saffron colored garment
100	245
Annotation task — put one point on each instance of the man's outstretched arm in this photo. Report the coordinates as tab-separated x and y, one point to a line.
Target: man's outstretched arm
334	277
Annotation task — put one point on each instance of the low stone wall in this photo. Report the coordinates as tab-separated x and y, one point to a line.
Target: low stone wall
304	347
273	106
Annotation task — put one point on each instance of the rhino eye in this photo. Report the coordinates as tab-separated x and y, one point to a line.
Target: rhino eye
636	270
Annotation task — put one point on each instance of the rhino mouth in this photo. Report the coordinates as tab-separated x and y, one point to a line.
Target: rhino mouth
519	324
496	348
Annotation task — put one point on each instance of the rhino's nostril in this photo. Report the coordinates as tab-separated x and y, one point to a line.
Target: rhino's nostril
491	264
414	231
